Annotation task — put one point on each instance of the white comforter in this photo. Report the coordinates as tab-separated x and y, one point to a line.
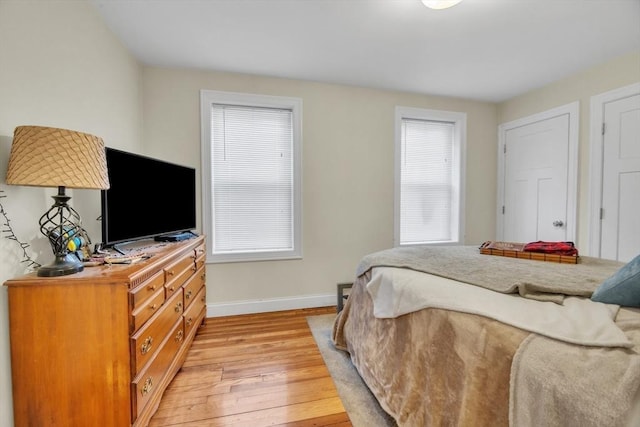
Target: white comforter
398	291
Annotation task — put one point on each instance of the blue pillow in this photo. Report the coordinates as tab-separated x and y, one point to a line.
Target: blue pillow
623	287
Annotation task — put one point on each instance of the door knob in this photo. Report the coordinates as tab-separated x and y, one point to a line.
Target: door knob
558	223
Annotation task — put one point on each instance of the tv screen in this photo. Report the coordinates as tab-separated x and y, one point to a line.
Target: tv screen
147	198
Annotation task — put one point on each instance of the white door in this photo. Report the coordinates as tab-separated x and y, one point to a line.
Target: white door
538	177
620	214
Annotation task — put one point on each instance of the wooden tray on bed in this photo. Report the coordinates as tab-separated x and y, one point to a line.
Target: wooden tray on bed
515	250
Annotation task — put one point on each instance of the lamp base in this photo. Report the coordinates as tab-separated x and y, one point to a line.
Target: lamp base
61	266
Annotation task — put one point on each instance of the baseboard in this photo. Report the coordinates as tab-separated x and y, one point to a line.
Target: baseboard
268	305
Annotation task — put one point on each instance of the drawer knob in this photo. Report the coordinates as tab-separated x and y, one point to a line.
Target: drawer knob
179	307
179	336
170	272
146	345
203	276
153	307
148	385
189	321
152	287
188	294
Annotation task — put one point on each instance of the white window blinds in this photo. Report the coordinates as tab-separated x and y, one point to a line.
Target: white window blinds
426	189
429	176
252	179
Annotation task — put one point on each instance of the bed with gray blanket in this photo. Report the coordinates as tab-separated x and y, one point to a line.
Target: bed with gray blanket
446	336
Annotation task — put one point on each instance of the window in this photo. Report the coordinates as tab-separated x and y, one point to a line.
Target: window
251	147
429	165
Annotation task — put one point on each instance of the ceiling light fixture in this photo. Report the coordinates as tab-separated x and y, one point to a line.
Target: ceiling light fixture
440	4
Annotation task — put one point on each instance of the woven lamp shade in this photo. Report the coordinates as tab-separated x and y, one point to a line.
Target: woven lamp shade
52	157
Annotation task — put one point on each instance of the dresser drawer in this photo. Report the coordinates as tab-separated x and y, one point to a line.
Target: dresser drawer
146	290
144	385
145	342
192	315
201	254
147	309
178	273
192	287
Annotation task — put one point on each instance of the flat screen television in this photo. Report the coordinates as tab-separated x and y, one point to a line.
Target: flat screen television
148	198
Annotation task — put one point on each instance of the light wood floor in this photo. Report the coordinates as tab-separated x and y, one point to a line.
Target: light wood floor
253	370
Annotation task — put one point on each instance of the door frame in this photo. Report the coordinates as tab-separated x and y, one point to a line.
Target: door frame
596	159
573	110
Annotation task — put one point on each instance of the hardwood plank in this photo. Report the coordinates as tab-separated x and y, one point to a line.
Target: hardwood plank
255	370
225	352
336	420
273	416
268	398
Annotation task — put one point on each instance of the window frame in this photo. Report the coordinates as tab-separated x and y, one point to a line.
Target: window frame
459	121
207	99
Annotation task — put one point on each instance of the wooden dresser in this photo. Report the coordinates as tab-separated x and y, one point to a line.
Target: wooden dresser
99	347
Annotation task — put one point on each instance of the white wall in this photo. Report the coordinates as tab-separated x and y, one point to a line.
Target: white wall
59	67
348	148
614	74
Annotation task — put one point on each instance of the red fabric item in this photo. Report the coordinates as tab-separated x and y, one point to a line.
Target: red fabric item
557	248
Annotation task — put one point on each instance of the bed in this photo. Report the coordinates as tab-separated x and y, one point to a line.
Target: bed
446	336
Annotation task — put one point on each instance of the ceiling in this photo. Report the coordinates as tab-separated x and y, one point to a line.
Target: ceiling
489	50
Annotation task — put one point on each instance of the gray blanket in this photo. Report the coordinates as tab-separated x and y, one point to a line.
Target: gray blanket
540	280
570	385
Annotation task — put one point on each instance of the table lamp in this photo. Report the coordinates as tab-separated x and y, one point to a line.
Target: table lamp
52	157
